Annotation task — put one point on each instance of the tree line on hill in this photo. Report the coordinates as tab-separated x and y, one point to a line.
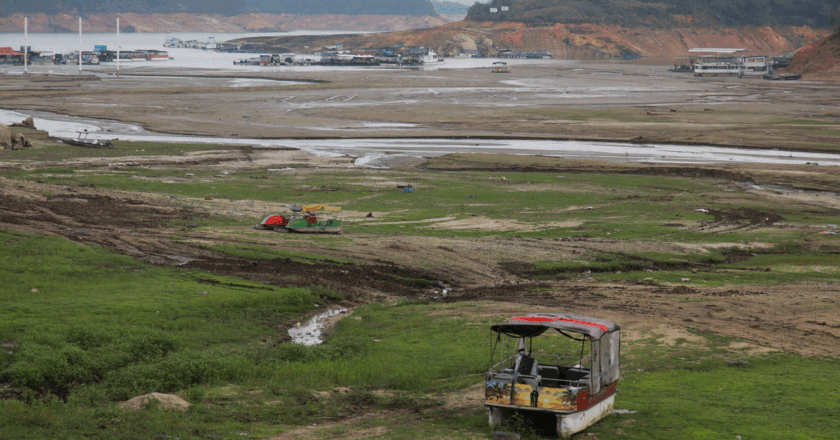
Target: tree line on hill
414	8
660	13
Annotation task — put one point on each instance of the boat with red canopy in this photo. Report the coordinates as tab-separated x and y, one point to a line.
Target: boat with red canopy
571	373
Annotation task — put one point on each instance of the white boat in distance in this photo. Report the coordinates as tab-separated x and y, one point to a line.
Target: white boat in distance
431	58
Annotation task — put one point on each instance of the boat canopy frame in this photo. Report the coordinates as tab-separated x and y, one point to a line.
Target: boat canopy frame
604	337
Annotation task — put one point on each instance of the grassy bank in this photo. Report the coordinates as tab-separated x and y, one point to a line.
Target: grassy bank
532	198
102	328
83	328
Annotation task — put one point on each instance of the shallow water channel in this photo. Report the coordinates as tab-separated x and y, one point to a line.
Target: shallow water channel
310	333
374	152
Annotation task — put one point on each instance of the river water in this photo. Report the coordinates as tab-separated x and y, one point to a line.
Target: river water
369	152
372	151
311	332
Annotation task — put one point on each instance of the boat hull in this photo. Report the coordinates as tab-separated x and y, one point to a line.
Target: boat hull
311	224
317	230
86	143
568	423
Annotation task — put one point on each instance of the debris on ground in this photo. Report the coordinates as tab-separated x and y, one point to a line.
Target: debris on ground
26	123
165	401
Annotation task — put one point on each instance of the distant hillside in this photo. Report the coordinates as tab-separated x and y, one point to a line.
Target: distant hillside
660	13
413	8
133	22
582	41
85	7
819	59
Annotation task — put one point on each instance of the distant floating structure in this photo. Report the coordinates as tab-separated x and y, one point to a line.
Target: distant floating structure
720	50
714	61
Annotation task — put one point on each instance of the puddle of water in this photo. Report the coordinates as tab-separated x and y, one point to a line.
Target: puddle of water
388	125
310	333
380	126
232	82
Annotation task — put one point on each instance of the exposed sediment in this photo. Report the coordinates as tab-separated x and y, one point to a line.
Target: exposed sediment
819	59
579	41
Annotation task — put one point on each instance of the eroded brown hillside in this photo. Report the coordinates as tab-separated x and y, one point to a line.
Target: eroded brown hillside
820	58
584	41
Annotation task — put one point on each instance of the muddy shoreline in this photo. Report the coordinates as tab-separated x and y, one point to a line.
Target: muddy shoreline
608	102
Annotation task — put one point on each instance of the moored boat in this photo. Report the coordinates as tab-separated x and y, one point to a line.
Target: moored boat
157	55
137	55
431	58
248	62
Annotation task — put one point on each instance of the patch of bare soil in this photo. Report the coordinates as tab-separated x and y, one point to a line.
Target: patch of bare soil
799	320
141	226
163	401
9	393
455	403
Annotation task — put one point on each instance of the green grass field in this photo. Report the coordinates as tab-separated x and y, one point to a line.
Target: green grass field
103	328
83	328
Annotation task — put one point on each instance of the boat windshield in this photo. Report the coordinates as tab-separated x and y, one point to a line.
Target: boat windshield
564	350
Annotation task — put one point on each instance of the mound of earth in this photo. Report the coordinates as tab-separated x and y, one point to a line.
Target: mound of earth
820	58
165	401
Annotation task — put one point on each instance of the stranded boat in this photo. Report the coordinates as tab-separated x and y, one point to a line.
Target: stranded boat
255	61
500	67
83	141
157	55
577	385
304	219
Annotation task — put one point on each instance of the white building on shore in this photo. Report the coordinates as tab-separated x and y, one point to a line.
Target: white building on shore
721	61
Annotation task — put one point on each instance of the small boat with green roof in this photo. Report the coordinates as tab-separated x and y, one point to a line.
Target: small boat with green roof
318	219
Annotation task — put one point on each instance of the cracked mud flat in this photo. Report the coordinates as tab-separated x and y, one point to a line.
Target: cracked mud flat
801	320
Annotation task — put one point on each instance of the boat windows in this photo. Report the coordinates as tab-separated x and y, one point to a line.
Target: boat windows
530	359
